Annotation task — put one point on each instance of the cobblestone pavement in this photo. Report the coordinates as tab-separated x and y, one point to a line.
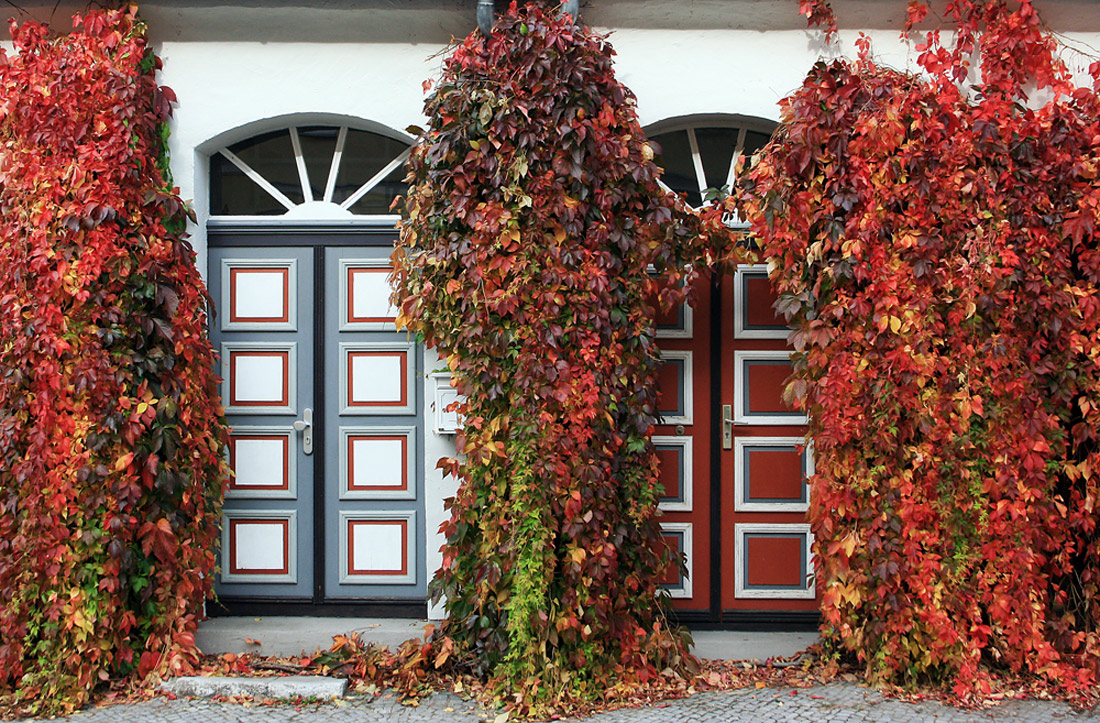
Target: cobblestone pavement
837	702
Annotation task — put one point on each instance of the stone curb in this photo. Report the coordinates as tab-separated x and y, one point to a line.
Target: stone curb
292	686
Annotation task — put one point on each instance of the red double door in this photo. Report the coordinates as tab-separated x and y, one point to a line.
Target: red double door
734	459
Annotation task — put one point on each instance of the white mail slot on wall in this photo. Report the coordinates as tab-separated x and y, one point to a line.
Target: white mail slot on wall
446	420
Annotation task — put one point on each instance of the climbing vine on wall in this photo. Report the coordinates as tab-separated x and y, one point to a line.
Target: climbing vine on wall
936	246
111	439
532	216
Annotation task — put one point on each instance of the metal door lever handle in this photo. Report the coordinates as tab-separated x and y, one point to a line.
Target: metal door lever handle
305	426
727	426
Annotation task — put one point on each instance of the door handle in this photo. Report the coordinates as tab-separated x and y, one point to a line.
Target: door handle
305	426
727	426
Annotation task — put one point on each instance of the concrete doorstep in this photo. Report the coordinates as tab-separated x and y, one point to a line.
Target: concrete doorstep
287	686
289	636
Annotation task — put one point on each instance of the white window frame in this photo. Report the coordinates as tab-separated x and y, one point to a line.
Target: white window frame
685	529
740	306
739	415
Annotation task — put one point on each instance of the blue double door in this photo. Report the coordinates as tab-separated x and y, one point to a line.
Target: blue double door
322	395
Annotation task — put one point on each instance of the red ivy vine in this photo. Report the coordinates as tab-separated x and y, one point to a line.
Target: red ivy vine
532	216
936	246
111	438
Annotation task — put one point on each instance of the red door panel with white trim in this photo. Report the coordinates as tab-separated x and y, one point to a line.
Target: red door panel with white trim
681	439
758	558
764	461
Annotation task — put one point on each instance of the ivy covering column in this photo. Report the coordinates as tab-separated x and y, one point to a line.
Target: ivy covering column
936	246
533	214
111	439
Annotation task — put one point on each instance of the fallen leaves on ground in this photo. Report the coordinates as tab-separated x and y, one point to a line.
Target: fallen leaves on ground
410	672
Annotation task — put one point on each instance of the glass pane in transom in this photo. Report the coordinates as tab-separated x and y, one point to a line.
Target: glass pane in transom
679	166
365	154
272	156
318	144
716	147
232	193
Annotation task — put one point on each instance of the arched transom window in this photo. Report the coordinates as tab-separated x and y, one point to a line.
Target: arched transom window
702	155
308	172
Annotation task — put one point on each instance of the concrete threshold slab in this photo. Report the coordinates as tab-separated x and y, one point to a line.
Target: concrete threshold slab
289	686
749	646
286	636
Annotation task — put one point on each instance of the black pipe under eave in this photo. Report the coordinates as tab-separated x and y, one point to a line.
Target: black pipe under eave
486	10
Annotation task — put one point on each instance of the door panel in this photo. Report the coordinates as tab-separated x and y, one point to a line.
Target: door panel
682	442
267	371
355	507
373	487
764	462
728	358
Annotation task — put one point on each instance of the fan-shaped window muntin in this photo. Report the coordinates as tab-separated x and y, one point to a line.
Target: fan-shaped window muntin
698	159
308	171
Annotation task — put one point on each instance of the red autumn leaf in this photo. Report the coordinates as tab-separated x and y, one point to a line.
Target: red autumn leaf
90	469
938	266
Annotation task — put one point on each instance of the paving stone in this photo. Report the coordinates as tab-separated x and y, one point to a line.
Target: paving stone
836	702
